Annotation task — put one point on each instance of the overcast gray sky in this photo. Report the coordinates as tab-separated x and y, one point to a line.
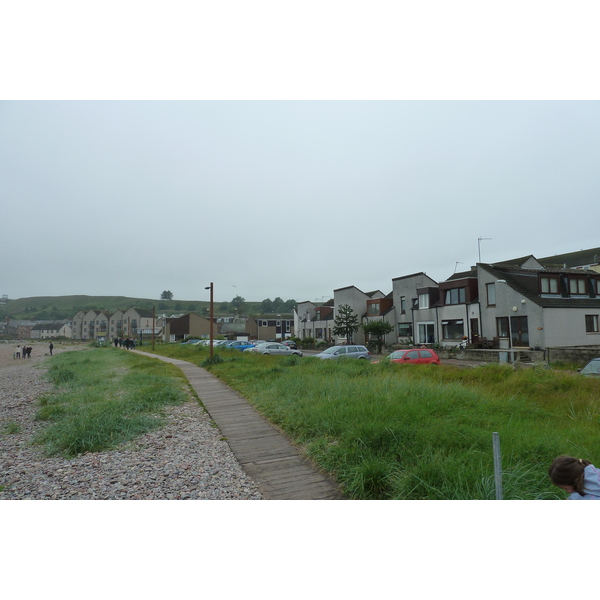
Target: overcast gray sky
285	198
322	168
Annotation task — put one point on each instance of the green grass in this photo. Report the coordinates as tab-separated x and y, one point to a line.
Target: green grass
104	397
11	427
392	431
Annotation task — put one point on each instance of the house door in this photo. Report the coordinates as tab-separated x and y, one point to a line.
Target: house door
426	333
474	330
519	331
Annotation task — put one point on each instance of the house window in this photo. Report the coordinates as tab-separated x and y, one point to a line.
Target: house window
287	326
403	304
405	330
456	296
373	308
423	300
453	329
502	327
577	286
426	333
264	324
319	333
490	289
549	285
591	324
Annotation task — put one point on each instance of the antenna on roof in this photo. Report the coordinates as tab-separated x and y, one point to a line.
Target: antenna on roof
456	265
479	245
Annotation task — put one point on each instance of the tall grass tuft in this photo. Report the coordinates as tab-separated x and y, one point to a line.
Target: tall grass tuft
411	432
111	397
389	431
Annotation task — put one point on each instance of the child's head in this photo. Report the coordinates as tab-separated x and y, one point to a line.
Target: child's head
566	472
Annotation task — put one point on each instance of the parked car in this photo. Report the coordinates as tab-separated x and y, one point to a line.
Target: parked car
192	342
273	348
290	344
240	345
351	351
418	356
592	368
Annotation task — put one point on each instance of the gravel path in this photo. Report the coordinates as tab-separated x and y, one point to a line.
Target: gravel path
184	460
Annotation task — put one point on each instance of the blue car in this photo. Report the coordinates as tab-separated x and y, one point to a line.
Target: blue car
239	345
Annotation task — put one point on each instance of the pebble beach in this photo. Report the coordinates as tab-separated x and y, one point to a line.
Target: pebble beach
185	460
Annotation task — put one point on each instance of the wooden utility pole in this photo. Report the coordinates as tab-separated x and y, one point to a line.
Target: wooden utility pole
210	287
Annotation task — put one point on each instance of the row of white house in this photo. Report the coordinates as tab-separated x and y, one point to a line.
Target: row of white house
97	324
139	324
523	302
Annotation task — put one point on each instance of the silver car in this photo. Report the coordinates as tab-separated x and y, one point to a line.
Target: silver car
345	352
273	348
592	368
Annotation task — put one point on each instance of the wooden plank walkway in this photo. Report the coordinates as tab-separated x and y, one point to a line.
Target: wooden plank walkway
264	453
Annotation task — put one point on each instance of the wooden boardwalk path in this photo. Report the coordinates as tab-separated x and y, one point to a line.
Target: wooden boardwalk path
265	454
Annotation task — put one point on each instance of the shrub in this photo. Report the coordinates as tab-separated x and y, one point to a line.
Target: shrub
215	360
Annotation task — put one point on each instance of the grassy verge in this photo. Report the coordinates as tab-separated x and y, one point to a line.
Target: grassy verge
104	397
412	432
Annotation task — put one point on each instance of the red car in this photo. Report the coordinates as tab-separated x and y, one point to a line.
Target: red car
418	356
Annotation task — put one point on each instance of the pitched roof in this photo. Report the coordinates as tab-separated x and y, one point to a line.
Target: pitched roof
413	275
463	274
525	282
573	259
233	328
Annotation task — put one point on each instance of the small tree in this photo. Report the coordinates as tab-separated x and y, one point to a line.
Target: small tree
266	306
345	322
166	295
379	329
239	304
278	305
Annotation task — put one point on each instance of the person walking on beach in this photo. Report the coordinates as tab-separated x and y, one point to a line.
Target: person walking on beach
18	351
51	348
577	476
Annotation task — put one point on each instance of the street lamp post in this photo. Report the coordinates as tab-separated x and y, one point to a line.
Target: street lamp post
210	287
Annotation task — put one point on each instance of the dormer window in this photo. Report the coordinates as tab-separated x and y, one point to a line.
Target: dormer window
423	300
374	308
577	286
456	296
549	285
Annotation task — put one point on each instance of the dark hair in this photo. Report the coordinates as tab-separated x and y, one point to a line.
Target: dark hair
567	470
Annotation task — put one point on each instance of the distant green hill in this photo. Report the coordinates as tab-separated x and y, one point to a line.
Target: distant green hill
65	307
